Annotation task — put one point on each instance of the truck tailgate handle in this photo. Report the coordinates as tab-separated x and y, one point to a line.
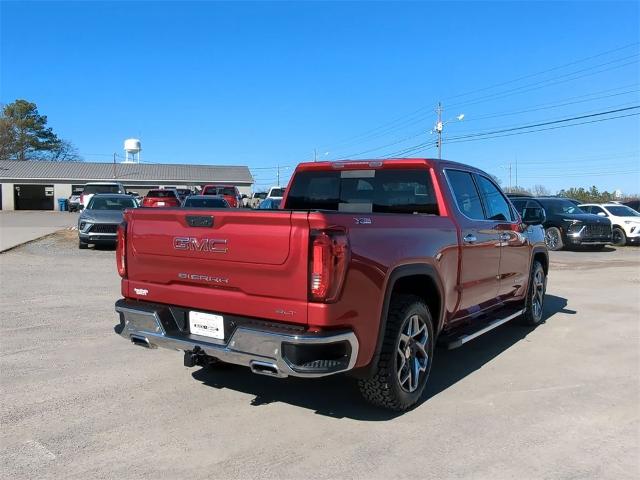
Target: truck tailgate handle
199	220
470	238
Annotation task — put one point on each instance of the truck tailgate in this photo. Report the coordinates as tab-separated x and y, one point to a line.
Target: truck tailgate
246	262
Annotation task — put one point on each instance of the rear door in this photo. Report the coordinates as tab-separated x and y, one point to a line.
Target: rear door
513	271
480	255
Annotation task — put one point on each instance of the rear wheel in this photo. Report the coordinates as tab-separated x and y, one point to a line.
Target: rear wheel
535	295
619	238
405	359
553	238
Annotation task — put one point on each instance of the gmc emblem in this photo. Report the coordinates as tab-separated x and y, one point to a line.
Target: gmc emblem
203	245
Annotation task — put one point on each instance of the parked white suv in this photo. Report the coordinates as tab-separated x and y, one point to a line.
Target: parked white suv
625	221
90	189
276	192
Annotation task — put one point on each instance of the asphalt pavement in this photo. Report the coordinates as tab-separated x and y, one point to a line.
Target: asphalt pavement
560	401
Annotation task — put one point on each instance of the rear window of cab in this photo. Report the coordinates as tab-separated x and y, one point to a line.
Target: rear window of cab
364	191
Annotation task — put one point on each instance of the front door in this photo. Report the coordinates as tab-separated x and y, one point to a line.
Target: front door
514	248
480	256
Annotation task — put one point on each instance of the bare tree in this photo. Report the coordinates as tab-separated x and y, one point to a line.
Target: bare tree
540	191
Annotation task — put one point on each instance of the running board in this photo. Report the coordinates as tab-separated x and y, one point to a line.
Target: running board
464	338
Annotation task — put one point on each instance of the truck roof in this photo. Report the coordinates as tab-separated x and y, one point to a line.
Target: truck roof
383	163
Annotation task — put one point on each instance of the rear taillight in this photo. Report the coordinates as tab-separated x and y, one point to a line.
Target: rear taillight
121	250
328	264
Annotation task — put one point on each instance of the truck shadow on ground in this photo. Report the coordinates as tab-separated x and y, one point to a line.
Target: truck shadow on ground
338	396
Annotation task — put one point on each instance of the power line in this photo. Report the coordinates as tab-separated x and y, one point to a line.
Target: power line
495	115
404	117
522	127
536	86
560	67
595	174
497	134
487	136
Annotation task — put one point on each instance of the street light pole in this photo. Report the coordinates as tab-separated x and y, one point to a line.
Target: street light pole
439	129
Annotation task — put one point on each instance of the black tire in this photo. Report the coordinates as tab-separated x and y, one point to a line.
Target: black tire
384	388
619	238
553	238
82	245
534	304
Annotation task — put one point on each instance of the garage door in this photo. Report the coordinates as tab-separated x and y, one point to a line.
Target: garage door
33	197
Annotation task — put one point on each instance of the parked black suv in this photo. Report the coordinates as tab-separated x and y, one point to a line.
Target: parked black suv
566	225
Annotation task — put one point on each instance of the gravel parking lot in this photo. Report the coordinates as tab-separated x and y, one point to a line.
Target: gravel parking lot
558	401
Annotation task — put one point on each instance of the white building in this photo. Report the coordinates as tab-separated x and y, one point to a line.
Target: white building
29	185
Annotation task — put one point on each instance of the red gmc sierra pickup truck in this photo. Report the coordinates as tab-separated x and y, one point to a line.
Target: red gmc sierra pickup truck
364	267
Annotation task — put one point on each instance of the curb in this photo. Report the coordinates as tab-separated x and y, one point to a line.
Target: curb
8	249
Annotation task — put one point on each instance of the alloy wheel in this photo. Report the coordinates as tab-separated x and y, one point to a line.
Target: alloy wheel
617	237
537	295
551	239
412	356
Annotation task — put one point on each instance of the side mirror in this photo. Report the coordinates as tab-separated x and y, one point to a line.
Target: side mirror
601	214
534	216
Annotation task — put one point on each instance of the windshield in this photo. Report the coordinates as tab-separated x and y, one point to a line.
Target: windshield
162	194
89	189
206	203
111	203
220	191
622	211
559	206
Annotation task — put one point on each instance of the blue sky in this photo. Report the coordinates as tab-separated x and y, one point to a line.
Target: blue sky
266	83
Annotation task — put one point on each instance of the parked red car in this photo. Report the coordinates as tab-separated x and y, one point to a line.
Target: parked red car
229	192
366	265
161	198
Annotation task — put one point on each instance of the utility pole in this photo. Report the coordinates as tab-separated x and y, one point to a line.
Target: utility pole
278	176
315	154
439	129
516	170
509	176
114	165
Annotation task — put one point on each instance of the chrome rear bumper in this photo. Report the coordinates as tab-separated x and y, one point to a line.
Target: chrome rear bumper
247	346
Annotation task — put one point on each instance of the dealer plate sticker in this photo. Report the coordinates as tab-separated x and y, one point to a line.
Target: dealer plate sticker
206	324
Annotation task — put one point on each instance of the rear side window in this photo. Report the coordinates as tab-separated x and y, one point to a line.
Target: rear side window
497	206
466	194
89	189
364	191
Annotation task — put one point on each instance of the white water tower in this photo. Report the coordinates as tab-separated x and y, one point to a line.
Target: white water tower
132	147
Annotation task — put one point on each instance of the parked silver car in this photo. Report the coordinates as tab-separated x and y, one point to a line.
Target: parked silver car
98	222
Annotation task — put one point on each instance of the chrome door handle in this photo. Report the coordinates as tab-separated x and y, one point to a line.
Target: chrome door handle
470	238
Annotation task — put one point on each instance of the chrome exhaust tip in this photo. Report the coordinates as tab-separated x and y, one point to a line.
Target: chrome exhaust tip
265	368
141	341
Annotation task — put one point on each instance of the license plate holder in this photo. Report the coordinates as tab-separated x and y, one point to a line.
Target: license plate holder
206	324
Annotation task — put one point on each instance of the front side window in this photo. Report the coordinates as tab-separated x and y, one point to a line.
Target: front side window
623	211
497	206
466	194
